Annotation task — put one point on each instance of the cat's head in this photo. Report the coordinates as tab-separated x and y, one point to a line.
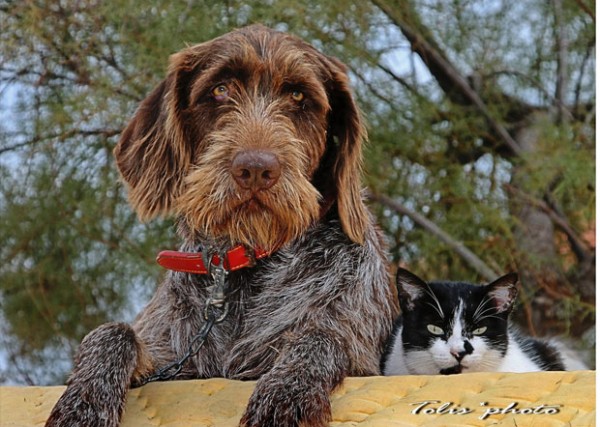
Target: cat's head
453	327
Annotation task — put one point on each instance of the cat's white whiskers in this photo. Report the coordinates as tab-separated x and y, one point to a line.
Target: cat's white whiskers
438	306
481	306
436	309
488	316
483	314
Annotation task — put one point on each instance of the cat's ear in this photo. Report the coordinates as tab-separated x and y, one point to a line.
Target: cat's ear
503	291
410	287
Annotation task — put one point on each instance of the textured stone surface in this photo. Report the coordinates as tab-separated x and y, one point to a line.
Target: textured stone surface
364	402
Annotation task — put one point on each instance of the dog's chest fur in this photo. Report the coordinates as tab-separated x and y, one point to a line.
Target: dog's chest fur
322	278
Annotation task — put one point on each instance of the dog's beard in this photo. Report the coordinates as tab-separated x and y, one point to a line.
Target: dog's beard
266	220
261	228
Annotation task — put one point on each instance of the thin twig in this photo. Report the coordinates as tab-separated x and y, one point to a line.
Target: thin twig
61	136
465	253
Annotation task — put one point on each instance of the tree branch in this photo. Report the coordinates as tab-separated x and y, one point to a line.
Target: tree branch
579	80
447	75
586	9
561	61
465	253
581	250
61	136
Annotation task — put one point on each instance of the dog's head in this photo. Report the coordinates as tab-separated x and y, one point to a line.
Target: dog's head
251	137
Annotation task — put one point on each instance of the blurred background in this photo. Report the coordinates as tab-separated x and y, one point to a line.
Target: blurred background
481	159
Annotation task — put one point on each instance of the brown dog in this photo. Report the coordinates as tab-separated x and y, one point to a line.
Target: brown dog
253	139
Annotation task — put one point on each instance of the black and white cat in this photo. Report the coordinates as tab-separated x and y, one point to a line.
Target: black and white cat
453	327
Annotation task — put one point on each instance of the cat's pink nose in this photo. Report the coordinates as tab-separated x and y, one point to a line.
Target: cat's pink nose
458	355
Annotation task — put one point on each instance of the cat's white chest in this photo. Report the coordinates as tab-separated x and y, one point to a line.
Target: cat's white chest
515	359
396	362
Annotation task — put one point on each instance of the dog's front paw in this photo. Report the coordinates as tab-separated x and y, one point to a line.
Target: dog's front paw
77	408
277	404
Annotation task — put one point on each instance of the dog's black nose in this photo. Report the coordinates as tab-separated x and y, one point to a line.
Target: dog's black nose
255	169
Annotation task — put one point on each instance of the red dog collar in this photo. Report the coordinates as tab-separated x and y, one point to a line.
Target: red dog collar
192	262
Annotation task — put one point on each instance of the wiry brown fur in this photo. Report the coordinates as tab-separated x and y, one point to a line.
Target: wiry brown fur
319	307
178	148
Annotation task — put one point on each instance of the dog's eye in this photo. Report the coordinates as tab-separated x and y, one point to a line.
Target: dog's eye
220	92
297	95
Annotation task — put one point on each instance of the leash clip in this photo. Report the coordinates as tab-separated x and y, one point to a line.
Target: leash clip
217	298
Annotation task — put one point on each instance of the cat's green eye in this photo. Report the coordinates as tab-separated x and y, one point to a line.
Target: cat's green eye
435	330
480	331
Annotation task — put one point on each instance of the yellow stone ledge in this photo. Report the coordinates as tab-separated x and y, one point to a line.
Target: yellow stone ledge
542	399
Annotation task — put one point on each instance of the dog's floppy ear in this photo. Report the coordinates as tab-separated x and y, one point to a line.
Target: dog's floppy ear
346	134
153	155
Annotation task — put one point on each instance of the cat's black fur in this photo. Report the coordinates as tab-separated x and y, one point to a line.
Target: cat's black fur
454	327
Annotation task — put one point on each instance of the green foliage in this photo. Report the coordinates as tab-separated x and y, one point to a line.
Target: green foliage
74	255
